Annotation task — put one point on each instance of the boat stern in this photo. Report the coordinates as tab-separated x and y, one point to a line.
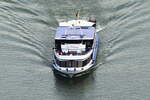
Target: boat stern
72	72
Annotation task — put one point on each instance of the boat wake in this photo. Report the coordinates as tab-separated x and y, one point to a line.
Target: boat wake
99	28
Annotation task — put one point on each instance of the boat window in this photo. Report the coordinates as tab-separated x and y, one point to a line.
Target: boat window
72	63
68	63
80	64
62	63
84	27
86	61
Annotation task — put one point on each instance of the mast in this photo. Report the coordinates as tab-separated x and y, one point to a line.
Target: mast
78	14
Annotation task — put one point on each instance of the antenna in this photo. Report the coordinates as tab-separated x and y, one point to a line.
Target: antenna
78	14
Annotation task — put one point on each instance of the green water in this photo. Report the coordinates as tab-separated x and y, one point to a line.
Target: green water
27	37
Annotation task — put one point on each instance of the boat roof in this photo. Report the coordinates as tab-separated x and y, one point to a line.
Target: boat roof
76	23
73	33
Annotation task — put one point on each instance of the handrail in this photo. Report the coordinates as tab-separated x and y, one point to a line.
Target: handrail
73	57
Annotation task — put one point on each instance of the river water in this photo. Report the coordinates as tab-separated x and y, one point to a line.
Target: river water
27	29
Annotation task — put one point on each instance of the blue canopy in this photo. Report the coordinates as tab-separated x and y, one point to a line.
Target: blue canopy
75	33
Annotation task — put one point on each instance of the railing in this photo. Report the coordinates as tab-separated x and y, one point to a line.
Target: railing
73	63
73	52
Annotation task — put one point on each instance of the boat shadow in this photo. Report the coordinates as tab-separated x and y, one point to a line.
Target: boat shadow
82	77
73	88
62	78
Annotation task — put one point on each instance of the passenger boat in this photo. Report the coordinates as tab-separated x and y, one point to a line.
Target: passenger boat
76	45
